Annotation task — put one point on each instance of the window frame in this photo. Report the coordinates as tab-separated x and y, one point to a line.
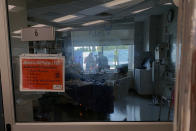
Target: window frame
8	103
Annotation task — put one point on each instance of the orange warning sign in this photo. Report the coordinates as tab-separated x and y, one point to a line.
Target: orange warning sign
42	74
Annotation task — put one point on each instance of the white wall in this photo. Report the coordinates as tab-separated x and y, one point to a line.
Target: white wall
102	37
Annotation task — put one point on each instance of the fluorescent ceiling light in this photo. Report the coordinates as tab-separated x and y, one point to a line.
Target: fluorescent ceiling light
39	25
138	11
15	36
10	7
65	29
67	18
115	3
168	3
93	22
17	32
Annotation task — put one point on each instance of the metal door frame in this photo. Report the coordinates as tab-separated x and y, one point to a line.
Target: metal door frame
5	67
2	124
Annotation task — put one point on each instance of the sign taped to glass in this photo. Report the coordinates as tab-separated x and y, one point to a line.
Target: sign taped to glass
42	73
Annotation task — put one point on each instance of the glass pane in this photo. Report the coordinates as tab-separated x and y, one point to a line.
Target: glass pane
93	60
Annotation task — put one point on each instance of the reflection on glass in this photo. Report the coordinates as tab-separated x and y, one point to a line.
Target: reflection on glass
119	65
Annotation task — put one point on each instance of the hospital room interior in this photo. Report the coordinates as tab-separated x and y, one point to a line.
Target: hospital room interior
120	60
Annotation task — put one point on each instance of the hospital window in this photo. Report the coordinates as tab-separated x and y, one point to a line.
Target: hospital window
116	55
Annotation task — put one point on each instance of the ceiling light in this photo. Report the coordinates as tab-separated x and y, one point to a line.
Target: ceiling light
10	7
15	36
93	22
115	3
39	25
168	3
67	18
65	29
17	32
138	11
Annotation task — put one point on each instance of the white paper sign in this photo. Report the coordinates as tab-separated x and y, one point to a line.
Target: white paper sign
38	34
